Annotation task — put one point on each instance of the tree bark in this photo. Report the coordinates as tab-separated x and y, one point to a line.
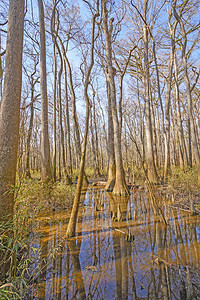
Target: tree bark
54	115
45	147
111	151
152	174
120	187
10	106
30	130
69	150
181	140
27	171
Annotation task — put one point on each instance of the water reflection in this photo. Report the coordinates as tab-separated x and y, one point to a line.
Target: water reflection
161	263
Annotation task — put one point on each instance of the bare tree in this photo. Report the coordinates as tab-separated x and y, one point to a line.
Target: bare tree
54	34
120	187
188	89
74	213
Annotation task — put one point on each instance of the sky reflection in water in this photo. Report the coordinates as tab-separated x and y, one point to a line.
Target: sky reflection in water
161	263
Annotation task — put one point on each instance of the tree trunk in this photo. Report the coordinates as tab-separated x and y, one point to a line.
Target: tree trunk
74	213
111	151
54	115
152	174
30	130
96	136
28	173
167	105
188	90
69	150
120	187
10	106
181	140
45	147
74	113
73	97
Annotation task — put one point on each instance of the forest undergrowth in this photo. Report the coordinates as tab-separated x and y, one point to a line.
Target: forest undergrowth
182	189
33	198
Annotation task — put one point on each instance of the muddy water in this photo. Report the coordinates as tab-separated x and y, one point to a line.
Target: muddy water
158	263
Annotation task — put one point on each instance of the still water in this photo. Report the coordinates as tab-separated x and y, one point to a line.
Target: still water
160	262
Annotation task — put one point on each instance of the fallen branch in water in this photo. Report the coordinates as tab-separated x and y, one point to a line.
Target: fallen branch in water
129	236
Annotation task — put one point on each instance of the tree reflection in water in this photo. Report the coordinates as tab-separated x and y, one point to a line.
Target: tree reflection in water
162	262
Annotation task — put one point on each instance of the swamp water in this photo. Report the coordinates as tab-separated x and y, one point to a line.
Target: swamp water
160	262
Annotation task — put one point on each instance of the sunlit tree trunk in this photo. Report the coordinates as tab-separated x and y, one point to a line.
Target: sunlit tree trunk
1	72
68	134
152	174
74	112
174	137
27	170
73	98
94	135
74	213
60	122
59	98
111	151
181	140
54	114
45	147
120	187
96	142
155	142
188	90
54	96
168	104
141	121
93	150
30	129
10	106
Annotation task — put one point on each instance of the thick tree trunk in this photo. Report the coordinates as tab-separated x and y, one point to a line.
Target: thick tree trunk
45	147
120	187
10	106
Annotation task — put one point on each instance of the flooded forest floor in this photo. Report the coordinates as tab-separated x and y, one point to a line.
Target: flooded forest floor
123	249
